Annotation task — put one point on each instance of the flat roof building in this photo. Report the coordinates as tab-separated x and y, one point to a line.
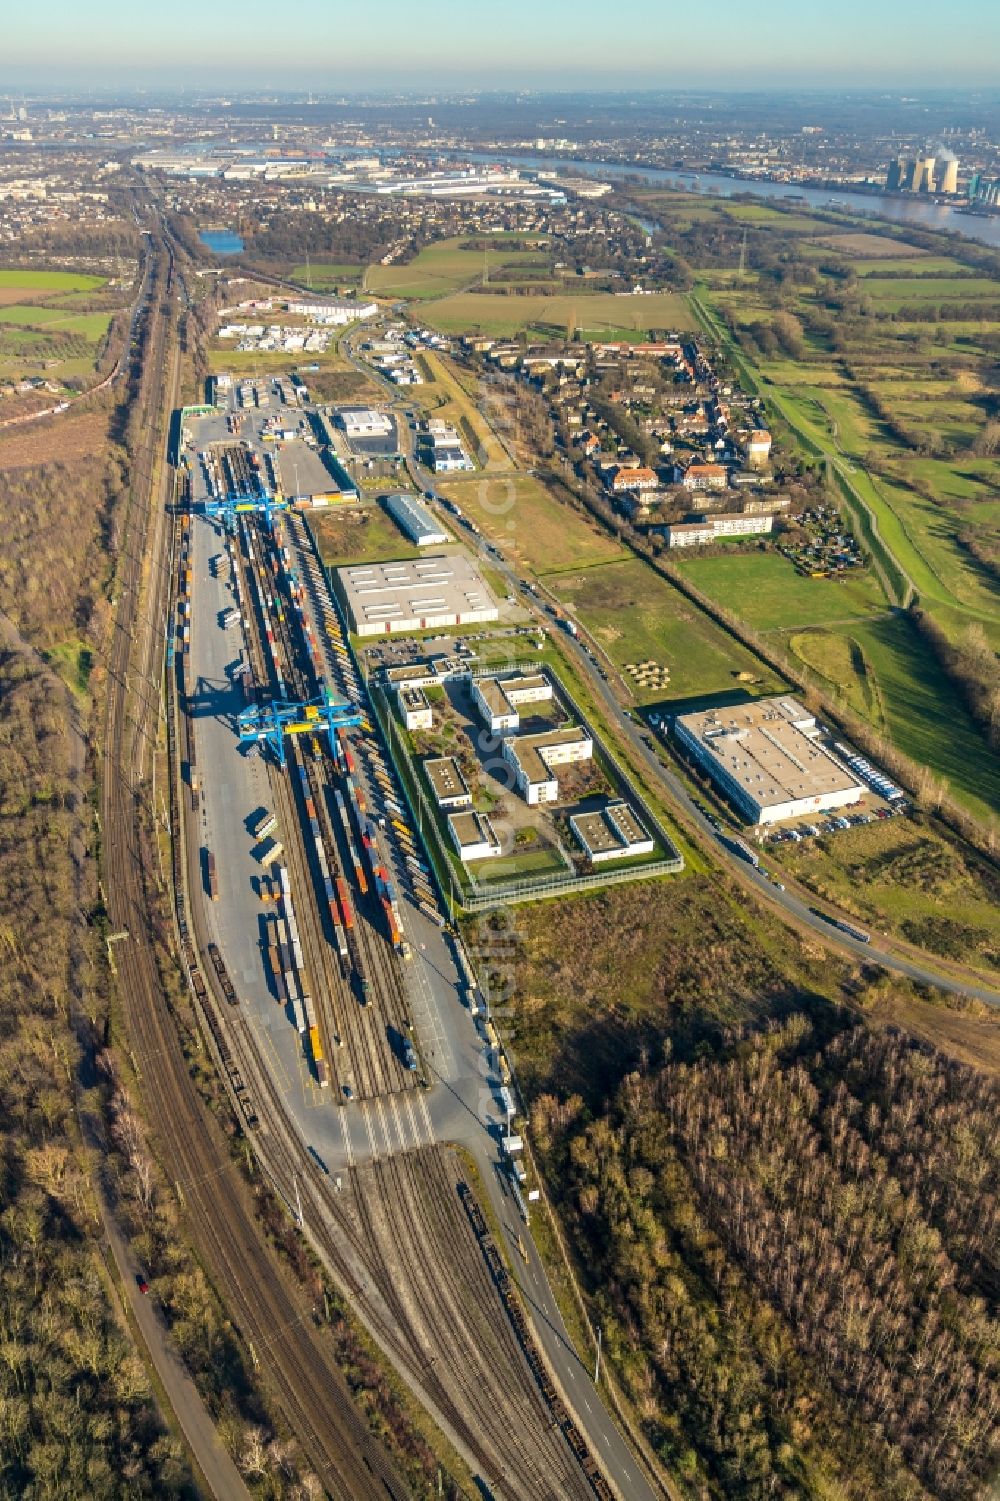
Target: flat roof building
708	529
365	423
410	675
447	783
497	699
332	309
449	458
611	833
767	758
416	595
495	708
414	708
415	520
532	757
473	836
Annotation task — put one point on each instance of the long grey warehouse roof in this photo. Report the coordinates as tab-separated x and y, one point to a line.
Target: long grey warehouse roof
416	520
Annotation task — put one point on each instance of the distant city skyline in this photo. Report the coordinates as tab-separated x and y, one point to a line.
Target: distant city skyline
442	44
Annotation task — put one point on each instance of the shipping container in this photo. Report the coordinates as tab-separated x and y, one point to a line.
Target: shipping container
270	853
264	825
345	905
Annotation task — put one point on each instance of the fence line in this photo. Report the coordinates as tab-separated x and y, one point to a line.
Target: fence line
509	893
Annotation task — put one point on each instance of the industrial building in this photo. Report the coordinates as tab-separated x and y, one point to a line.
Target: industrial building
447	783
473	836
417	595
611	833
363	422
766	757
337	310
416	521
447	453
497	699
532	757
450	458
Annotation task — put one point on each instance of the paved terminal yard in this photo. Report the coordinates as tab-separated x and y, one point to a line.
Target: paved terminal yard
376	1148
236	788
382	1146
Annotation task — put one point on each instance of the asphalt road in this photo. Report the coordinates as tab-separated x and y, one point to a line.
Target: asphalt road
677	793
459	1110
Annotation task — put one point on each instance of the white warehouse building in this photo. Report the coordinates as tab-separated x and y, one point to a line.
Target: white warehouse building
766	757
364	422
334	310
420	594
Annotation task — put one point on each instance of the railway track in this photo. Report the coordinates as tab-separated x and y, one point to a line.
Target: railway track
336	1006
400	1220
451	1335
398	1241
371	1066
276	1325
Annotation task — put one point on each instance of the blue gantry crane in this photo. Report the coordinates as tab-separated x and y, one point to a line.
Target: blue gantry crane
272	722
231	506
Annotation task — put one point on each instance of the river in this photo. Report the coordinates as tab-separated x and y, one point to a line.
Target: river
899	210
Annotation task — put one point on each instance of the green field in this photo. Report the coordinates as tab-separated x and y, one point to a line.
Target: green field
50	281
359	535
534	529
638	616
923	713
323	274
909	879
91	325
600	313
512	867
896	292
445	267
773	596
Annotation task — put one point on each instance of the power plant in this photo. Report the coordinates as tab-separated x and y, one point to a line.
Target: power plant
924	174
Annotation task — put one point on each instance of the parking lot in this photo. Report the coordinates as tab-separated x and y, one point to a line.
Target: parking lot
833	823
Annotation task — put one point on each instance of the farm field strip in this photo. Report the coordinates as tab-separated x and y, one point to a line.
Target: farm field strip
493	313
52	281
775	597
531	525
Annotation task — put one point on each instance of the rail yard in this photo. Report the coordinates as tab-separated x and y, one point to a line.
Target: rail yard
306	1381
337	999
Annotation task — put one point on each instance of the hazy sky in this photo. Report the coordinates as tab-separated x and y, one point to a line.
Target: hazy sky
446	43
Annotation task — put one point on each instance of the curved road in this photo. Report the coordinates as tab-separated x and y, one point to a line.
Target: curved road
922	971
788	902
